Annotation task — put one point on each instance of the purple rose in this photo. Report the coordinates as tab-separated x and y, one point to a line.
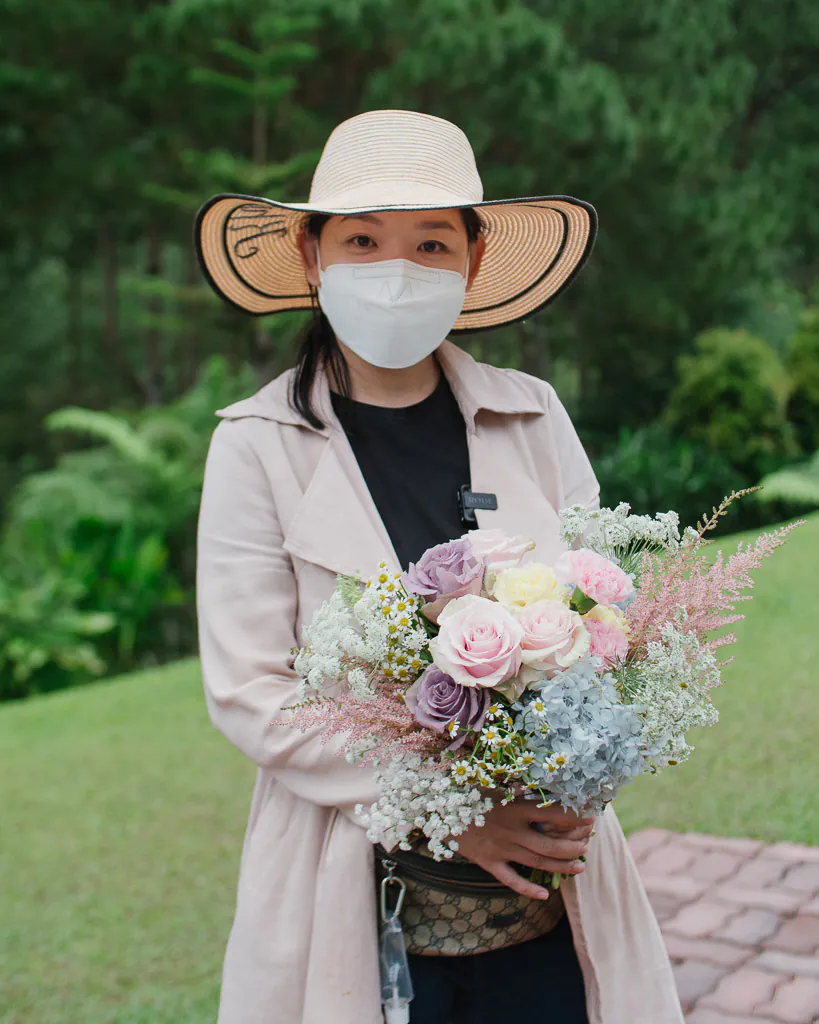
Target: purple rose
444	572
436	700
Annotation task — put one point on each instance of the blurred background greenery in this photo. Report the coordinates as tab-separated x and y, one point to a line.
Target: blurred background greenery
687	351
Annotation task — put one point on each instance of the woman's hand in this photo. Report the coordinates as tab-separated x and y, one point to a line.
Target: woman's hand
508	836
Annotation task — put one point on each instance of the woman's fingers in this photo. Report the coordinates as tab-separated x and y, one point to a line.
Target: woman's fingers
557	816
508	836
559	832
543	862
553	847
508	876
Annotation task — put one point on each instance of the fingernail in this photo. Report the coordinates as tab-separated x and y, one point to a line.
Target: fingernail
543	895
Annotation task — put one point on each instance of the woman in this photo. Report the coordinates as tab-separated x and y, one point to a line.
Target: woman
357	455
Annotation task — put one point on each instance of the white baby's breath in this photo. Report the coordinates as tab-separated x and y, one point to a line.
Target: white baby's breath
414	790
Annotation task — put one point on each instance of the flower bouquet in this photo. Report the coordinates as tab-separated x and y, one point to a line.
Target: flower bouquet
473	678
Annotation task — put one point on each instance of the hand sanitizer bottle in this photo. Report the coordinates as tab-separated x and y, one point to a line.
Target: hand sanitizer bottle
396	984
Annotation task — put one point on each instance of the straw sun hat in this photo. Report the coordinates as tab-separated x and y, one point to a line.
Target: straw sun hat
397	160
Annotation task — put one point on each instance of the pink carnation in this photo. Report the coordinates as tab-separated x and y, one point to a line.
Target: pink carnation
598	578
478	643
607	641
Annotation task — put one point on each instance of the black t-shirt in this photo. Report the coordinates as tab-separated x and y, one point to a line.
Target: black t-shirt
413	459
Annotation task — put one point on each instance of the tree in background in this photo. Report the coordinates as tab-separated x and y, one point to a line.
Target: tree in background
688	124
127	118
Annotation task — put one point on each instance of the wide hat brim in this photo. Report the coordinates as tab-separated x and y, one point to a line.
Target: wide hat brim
248	250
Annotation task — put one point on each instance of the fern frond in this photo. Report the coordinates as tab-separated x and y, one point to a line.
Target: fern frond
64	495
107	427
796	484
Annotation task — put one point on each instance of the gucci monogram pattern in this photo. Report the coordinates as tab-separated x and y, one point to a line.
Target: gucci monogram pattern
439	920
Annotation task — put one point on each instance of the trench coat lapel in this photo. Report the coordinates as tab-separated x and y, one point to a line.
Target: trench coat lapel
337	524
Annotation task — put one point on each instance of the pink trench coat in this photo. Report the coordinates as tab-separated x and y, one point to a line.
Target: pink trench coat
284	509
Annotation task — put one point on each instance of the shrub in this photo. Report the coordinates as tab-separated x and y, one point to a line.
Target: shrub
731	398
802	362
654	470
797	485
97	559
46	640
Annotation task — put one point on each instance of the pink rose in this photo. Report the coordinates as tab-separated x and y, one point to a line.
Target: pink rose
554	638
478	643
496	550
607	641
598	578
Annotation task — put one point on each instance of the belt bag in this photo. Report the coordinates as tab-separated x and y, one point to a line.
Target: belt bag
455	908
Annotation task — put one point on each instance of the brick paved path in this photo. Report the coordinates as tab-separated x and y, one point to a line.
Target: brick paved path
741	922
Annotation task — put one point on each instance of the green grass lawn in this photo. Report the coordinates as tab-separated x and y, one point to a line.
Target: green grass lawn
123	812
755	773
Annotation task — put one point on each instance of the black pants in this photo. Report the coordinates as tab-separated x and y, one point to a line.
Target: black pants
534	981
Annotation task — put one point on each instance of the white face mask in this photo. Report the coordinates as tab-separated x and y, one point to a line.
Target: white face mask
392	313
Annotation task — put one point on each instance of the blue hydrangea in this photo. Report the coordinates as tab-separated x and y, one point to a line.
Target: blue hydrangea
586	742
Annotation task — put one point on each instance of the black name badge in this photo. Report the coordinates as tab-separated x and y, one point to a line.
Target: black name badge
469	501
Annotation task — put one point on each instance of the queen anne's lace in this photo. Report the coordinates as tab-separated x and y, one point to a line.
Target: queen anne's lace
672	687
358	633
608	529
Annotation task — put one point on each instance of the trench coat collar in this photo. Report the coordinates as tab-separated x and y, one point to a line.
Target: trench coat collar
475	385
337	524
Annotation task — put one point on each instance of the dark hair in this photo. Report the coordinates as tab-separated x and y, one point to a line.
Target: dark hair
318	345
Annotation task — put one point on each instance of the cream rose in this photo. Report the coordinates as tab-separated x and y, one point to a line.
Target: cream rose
512	688
478	642
554	638
516	588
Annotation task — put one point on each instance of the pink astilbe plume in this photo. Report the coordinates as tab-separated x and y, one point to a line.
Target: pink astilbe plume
708	592
386	716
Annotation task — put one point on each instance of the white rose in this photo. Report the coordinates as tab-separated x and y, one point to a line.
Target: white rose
496	549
